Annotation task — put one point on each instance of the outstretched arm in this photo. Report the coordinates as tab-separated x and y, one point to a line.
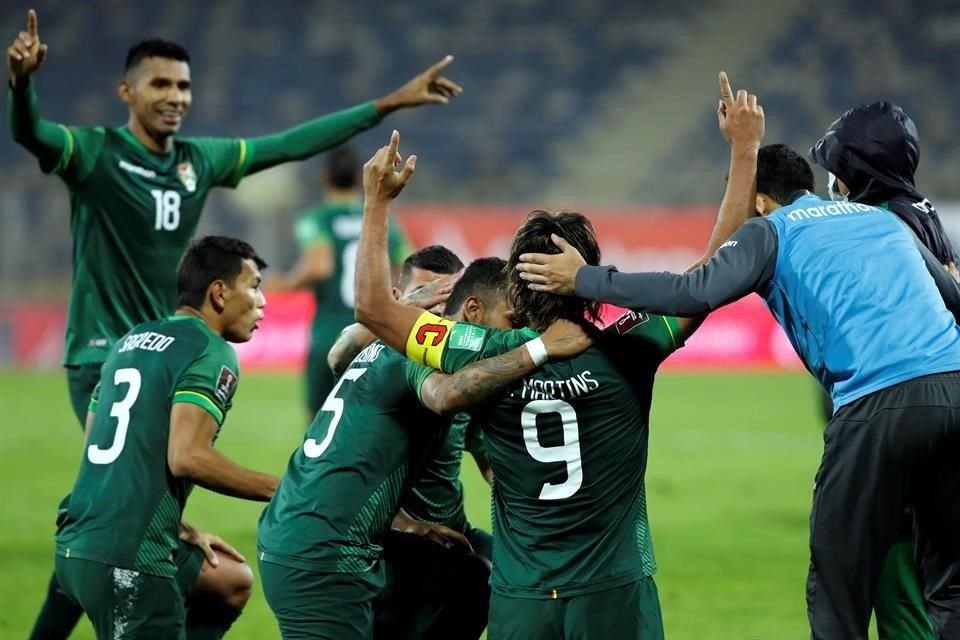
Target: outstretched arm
313	137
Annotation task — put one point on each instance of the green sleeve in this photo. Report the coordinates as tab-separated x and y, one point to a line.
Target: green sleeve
313	229
416	374
94	399
468	343
647	332
475	441
211	380
67	152
226	159
398	244
310	138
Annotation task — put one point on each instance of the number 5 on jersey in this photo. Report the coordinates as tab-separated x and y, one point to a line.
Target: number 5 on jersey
334	405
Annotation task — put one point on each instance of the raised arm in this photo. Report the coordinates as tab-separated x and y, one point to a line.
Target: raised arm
46	140
313	137
190	455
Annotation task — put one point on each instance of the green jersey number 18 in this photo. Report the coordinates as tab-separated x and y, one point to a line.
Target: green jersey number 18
121	411
568	452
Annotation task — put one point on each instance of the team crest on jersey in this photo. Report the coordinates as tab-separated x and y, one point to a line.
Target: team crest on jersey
225	384
187	176
629	320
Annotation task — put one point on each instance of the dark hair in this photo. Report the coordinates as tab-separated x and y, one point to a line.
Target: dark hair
539	310
343	168
154	48
433	258
781	172
484	278
209	259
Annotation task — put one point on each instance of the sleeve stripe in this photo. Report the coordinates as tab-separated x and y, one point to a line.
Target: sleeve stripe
241	162
673	338
200	400
64	161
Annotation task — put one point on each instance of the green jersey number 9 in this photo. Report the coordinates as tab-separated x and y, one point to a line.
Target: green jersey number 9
121	411
568	452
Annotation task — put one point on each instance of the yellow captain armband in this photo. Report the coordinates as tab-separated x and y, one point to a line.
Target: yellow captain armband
428	339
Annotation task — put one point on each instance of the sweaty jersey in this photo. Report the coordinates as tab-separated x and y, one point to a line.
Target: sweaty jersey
343	485
437	493
132	214
568	445
125	506
337	224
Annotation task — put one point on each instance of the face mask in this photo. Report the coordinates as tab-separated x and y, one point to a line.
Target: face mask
833	191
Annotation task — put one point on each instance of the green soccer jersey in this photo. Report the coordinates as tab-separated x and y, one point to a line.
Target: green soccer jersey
568	447
125	506
343	485
437	493
337	224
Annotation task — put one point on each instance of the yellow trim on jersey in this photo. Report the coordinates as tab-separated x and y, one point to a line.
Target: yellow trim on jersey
201	401
673	338
243	156
67	154
428	338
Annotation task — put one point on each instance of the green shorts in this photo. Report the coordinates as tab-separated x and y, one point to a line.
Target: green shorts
81	381
122	603
321	606
630	612
189	559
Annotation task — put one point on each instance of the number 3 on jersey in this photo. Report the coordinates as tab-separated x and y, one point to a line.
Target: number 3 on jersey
121	411
334	405
568	452
167	209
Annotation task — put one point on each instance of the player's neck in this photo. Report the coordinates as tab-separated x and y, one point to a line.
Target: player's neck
211	319
156	145
342	195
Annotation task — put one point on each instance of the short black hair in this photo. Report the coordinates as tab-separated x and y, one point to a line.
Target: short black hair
343	168
484	278
209	259
539	310
154	48
781	172
434	258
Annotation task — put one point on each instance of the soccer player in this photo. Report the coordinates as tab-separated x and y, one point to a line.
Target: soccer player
164	392
320	538
136	194
873	314
872	152
432	592
572	551
327	235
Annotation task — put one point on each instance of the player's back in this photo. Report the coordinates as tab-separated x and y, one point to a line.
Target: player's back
569	451
125	506
344	483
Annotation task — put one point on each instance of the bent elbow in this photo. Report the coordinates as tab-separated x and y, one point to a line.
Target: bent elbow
182	464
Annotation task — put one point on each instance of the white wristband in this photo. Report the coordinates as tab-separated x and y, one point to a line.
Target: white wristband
538	352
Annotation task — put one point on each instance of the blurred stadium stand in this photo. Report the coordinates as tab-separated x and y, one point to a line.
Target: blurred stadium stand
570	102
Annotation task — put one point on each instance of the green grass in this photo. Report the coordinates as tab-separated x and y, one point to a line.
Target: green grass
732	458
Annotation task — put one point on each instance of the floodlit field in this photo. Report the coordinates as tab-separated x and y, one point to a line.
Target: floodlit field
732	459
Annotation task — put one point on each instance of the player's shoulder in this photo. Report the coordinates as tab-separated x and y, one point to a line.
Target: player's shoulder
466	336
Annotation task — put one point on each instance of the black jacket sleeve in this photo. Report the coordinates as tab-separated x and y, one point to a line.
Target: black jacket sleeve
949	289
742	265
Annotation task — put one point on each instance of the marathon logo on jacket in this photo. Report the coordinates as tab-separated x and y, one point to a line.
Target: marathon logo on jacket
826	211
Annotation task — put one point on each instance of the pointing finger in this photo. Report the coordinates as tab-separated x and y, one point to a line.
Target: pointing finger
435	70
394	146
32	22
726	93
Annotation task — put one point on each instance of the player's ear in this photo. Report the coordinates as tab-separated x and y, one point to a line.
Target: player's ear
760	205
396	293
125	91
473	310
217	294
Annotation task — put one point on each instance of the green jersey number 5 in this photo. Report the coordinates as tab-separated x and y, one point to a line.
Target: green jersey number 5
568	452
121	411
333	404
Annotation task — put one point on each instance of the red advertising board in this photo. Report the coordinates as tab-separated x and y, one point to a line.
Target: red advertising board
743	334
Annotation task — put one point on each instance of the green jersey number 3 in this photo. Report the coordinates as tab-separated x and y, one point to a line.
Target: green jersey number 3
568	452
121	411
333	404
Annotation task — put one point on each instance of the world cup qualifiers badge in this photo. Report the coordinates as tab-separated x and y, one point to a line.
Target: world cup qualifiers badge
187	176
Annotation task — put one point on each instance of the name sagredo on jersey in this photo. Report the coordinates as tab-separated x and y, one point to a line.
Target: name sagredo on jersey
147	341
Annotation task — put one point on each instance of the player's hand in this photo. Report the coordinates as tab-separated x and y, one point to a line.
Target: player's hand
433	296
381	180
210	544
26	53
552	273
740	118
427	88
565	339
444	536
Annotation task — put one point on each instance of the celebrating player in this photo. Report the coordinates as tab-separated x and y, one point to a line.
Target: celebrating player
327	235
572	550
164	393
136	193
319	540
